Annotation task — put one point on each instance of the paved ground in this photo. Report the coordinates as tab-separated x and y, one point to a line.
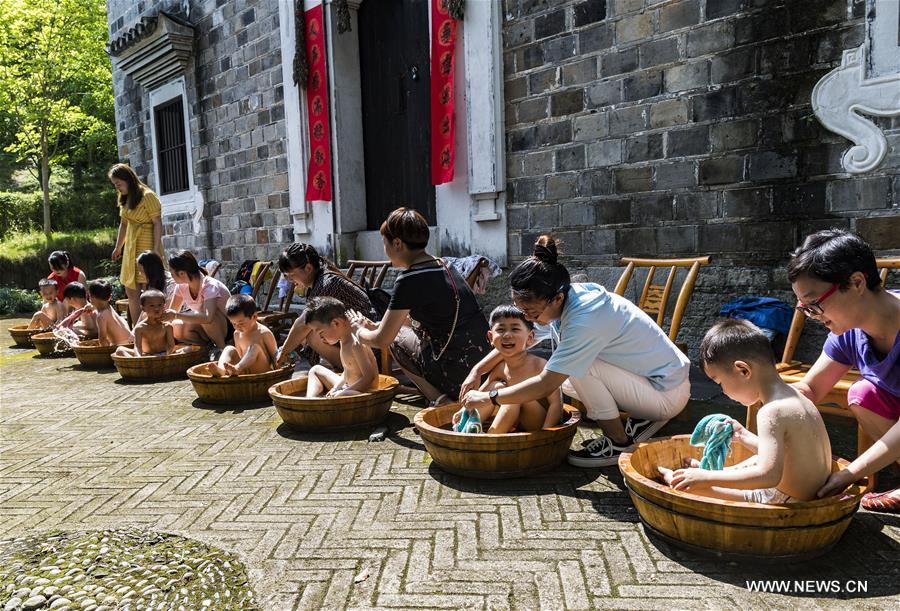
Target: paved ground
307	514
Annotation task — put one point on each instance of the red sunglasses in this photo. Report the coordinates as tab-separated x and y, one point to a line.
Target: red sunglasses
814	308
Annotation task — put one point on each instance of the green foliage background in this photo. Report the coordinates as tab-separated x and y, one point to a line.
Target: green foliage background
55	79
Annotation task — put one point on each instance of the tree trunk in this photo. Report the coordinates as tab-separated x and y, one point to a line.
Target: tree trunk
45	180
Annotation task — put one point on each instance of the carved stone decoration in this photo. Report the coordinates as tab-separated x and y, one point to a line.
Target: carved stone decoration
155	51
866	83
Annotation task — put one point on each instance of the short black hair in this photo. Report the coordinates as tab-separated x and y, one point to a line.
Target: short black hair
735	340
74	289
510	311
833	255
45	282
324	310
101	289
241	304
149	294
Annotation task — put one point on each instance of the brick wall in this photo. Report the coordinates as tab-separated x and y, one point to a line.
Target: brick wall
683	127
235	98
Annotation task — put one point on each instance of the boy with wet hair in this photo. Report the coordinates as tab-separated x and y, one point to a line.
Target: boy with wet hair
792	451
254	344
511	334
52	309
112	330
328	317
152	336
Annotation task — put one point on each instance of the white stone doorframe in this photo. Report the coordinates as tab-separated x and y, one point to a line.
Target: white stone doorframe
471	210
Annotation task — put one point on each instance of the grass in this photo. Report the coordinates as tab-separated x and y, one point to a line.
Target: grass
23	245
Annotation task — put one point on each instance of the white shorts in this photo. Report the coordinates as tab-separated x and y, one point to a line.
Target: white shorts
767	496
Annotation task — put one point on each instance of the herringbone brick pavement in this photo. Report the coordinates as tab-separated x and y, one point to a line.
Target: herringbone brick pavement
309	514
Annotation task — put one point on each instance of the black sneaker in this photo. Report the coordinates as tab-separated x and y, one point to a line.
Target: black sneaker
639	430
642	430
598	452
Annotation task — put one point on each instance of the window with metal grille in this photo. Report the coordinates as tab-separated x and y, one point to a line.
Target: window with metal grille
170	147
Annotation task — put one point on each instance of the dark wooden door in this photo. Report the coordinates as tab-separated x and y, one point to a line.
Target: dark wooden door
394	51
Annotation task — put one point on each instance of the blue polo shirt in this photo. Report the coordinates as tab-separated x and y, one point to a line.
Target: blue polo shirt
596	324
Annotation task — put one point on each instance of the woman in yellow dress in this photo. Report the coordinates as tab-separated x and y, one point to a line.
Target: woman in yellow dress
140	229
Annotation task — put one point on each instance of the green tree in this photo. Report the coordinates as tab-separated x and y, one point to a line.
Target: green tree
56	100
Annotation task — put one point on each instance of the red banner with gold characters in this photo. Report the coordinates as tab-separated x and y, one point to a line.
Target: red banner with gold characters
318	175
443	40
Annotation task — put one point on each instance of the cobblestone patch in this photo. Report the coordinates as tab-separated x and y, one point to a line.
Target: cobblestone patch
337	522
123	569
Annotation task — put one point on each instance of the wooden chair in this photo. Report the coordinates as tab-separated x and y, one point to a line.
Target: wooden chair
280	319
835	402
655	297
260	279
370	272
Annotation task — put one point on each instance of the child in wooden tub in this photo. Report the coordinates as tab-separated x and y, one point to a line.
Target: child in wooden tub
81	319
793	453
254	344
511	334
52	309
152	336
328	317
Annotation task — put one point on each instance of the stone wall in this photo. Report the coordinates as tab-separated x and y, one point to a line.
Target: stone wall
683	127
235	100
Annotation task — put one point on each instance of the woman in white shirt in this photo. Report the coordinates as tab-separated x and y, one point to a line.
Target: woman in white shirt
204	319
610	355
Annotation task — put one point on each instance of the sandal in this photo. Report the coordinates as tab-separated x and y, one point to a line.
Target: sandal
885	502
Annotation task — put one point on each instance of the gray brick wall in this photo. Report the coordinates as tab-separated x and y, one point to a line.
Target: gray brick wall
682	127
235	96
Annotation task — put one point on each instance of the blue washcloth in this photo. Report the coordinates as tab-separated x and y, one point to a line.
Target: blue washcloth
460	426
473	424
714	434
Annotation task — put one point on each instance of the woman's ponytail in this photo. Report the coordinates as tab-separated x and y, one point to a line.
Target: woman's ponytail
540	276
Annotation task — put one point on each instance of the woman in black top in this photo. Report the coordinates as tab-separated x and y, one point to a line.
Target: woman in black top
450	330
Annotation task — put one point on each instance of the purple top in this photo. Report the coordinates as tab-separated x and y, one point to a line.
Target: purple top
852	348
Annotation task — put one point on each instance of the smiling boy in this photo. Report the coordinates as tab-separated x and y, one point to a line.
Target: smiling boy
511	334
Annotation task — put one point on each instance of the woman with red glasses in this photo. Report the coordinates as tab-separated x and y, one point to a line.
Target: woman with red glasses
835	278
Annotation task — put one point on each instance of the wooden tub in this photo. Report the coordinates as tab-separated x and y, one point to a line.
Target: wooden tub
494	456
22	335
90	353
48	344
243	389
326	415
732	530
121	306
153	368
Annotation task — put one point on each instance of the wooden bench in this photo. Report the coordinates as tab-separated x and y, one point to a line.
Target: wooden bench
281	318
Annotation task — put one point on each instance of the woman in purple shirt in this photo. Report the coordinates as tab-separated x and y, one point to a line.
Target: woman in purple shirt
836	280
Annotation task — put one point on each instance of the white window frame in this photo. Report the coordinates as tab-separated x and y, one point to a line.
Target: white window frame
182	201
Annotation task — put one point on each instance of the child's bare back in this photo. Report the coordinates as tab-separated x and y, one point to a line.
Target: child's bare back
797	424
112	328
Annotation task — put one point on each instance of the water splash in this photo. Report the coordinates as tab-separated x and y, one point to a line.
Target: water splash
67	337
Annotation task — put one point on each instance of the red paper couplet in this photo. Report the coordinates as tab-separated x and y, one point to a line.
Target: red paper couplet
443	125
318	175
